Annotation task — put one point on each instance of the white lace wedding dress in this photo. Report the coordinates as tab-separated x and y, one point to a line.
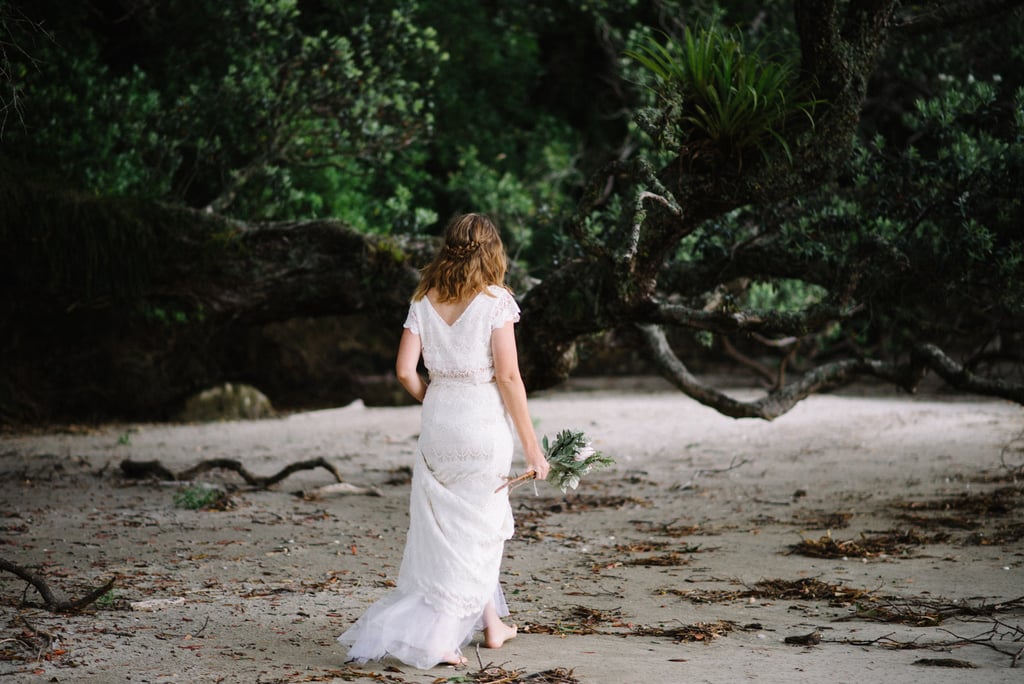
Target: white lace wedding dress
457	523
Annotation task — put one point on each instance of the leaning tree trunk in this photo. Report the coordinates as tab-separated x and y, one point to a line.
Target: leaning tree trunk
618	284
115	308
624	282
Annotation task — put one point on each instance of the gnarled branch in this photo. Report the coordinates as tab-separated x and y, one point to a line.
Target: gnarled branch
961	378
141	469
944	15
778	401
726	322
52	602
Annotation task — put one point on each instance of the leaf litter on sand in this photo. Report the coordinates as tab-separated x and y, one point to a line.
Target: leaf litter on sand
530	518
970	512
349	674
997	502
581	620
584	504
892	543
669	529
1002	534
496	674
700	631
824	521
806	589
673	559
927	612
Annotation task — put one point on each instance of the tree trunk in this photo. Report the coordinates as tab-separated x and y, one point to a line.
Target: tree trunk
136	332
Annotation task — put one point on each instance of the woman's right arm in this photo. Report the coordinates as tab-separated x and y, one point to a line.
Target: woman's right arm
405	365
513	393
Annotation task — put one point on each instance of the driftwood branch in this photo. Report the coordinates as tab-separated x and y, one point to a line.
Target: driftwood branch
52	601
144	469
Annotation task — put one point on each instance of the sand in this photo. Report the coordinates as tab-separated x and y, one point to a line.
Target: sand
259	592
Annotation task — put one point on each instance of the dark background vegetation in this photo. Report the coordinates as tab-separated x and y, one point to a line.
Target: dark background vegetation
193	192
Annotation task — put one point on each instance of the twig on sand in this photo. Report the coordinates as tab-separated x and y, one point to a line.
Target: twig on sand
1001	631
733	464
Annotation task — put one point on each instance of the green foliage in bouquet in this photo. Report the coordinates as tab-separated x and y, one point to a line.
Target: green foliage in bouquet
571	456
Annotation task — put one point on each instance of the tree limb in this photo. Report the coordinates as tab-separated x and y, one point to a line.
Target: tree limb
256	480
52	602
776	402
726	322
759	368
943	15
961	378
594	195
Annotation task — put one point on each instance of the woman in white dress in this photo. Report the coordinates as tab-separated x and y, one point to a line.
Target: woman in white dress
461	321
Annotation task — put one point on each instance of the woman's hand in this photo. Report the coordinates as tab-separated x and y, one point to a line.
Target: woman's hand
538	464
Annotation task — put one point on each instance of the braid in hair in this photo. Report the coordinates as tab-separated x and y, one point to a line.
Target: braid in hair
462	251
472	259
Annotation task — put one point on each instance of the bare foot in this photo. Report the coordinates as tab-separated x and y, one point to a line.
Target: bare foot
495	637
454	659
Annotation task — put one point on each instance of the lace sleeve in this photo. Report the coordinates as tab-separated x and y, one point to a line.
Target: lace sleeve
412	321
505	310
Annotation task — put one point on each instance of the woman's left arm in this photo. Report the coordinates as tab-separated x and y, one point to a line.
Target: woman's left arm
405	365
513	394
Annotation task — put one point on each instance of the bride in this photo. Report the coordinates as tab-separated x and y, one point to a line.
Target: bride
461	320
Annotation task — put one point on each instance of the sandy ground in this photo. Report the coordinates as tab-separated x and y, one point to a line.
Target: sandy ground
696	503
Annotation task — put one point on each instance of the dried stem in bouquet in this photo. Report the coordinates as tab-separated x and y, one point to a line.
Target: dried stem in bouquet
571	456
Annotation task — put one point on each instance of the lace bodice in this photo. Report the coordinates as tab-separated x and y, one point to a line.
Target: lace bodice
461	352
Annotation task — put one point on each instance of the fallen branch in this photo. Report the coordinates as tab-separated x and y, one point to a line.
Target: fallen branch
1001	631
52	602
143	469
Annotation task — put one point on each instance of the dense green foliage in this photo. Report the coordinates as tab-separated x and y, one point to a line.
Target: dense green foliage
927	211
228	105
717	98
388	115
392	115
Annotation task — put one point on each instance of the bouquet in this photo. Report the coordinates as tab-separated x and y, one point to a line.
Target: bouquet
570	456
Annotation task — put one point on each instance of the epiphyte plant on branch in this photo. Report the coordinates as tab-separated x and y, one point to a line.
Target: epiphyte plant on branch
686	231
718	97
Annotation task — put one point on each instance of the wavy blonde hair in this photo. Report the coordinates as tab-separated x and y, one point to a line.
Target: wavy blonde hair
473	257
